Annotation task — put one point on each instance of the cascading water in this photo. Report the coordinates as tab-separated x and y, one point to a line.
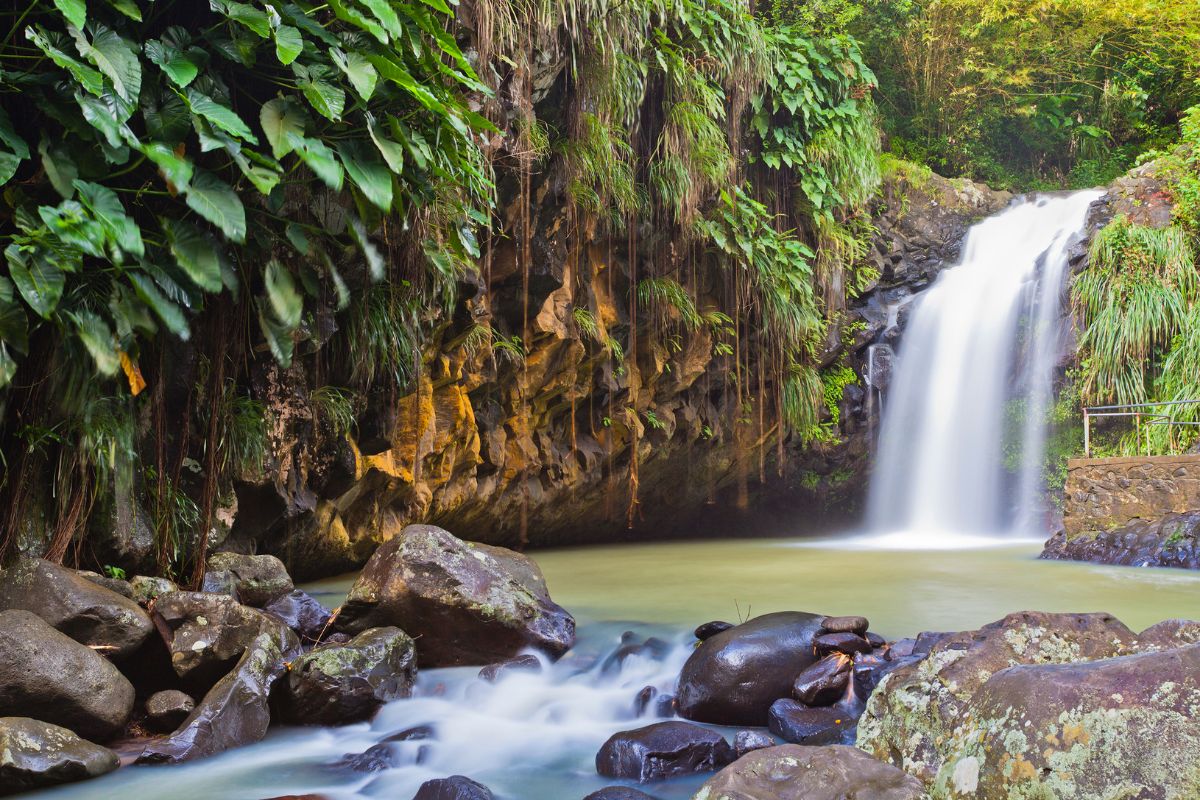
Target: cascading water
982	341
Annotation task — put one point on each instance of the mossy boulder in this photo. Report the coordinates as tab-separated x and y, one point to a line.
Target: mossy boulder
919	708
463	603
89	613
37	755
206	633
337	684
253	580
1123	727
46	675
794	772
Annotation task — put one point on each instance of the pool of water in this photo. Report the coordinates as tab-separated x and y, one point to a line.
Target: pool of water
534	737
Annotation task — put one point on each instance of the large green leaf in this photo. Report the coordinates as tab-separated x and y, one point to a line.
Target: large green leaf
195	253
171	314
319	158
219	115
72	224
175	63
359	71
350	13
74	10
108	211
368	172
322	94
175	169
278	336
280	119
288	44
285	301
51	45
98	338
391	151
59	167
217	202
39	281
382	10
115	57
253	18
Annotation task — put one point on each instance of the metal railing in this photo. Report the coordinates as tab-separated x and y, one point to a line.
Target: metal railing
1144	414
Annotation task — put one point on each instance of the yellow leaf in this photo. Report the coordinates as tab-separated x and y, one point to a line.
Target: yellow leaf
133	373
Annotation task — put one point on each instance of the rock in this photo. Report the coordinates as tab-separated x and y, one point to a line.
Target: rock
526	663
146	589
456	787
1166	539
206	633
165	710
253	580
236	711
711	629
800	724
117	585
663	750
914	711
619	793
652	648
416	733
875	640
1168	634
48	676
463	603
302	613
869	670
90	614
342	683
1117	727
848	643
823	683
733	677
748	741
856	625
376	759
37	755
792	772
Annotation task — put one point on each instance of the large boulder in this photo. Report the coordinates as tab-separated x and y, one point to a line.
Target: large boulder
456	787
733	677
87	612
793	772
206	633
49	676
663	750
340	683
917	709
253	580
236	711
1118	727
800	724
463	603
302	613
36	755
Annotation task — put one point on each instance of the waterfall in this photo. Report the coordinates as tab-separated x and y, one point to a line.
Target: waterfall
979	350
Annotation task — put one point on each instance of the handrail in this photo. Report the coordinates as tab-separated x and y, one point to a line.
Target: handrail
1130	410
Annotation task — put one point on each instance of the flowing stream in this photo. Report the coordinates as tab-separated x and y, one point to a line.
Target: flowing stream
979	350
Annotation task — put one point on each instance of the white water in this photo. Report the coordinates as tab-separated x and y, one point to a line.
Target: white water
981	341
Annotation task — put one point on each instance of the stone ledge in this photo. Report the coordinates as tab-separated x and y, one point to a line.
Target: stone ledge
1131	461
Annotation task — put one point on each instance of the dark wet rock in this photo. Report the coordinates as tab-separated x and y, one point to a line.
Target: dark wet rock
236	711
665	705
870	669
526	663
206	633
912	714
37	755
711	629
847	643
1122	726
146	588
90	614
663	750
342	683
643	699
857	625
749	741
118	585
792	772
800	724
619	793
376	759
823	683
416	733
1168	540
652	648
463	603
47	675
301	612
253	580
927	640
875	640
165	710
456	787
733	677
902	648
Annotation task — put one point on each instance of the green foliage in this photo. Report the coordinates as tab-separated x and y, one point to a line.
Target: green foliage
335	406
669	302
116	573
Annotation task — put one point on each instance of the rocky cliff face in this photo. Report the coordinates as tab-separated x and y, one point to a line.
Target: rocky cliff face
564	447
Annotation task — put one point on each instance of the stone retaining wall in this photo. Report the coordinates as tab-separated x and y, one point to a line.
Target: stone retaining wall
1105	493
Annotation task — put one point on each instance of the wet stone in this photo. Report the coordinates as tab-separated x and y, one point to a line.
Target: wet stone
823	683
797	723
494	672
456	787
749	741
663	750
710	629
848	643
619	793
857	625
166	710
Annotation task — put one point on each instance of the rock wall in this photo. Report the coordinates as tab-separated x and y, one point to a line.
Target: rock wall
1106	493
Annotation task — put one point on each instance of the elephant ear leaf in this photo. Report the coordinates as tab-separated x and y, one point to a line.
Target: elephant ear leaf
217	202
38	280
280	119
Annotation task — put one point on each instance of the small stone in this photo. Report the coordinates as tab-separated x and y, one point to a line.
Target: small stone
619	793
376	759
166	710
799	724
749	741
824	683
494	672
848	643
456	787
875	640
416	733
146	589
857	625
710	629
